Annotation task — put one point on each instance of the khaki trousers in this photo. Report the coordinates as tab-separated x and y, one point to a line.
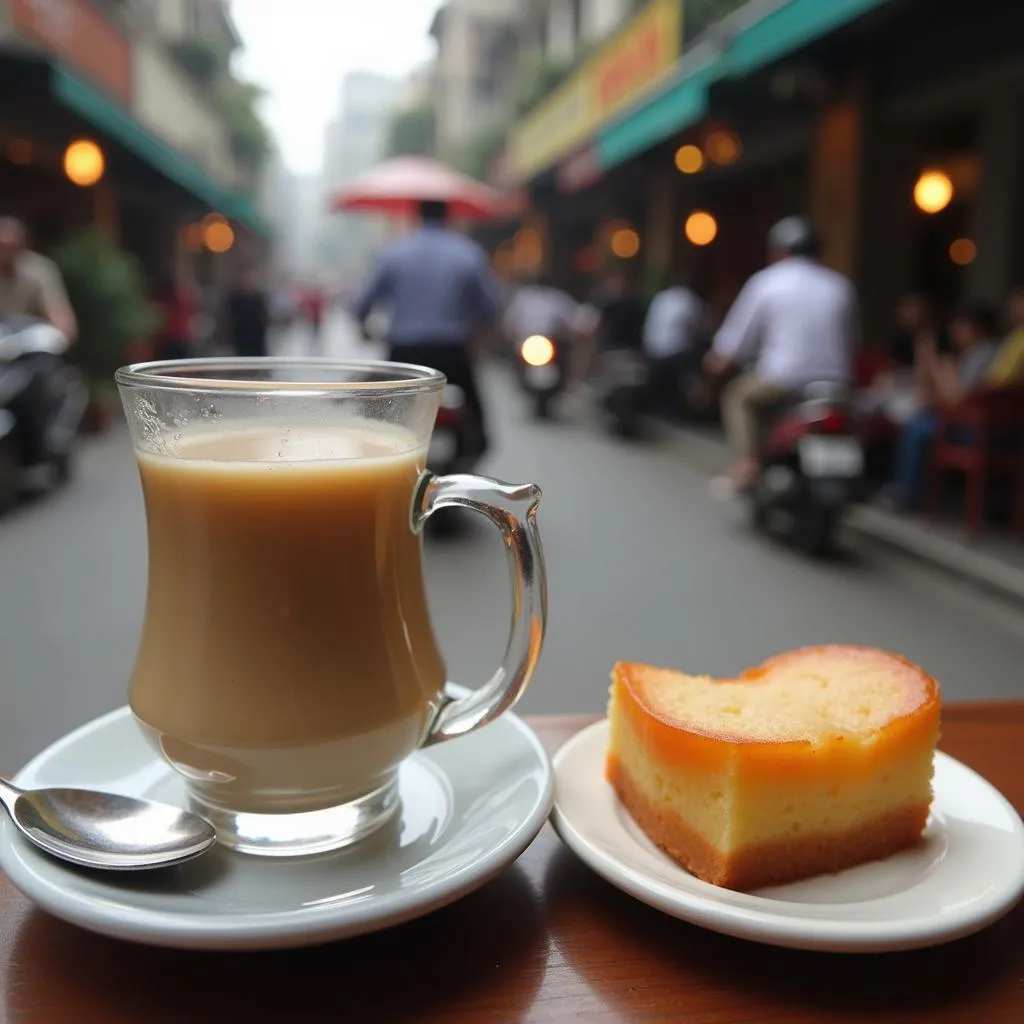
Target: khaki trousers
743	403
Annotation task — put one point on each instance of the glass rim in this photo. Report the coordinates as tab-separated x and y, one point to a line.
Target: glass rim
200	374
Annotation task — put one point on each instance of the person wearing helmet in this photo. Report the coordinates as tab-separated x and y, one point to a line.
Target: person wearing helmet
794	323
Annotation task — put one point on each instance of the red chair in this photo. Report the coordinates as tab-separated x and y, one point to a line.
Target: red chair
982	437
870	363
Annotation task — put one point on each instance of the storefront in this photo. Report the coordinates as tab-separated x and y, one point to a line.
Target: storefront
68	81
943	209
551	151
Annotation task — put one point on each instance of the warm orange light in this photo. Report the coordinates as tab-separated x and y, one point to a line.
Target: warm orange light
19	151
700	228
689	159
625	243
84	163
218	235
502	260
933	191
194	237
527	249
537	350
962	251
723	147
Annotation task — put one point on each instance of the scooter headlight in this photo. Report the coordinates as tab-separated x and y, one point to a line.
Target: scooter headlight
537	350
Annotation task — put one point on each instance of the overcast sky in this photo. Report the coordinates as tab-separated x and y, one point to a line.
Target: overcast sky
299	50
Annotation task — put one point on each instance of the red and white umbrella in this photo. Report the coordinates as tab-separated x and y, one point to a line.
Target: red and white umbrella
398	186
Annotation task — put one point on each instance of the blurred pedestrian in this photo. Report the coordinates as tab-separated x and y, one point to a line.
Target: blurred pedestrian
794	323
672	336
612	320
248	315
30	284
894	393
441	292
1007	369
282	306
177	302
944	381
313	309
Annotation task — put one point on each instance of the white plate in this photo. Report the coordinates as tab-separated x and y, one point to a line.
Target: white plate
469	808
968	872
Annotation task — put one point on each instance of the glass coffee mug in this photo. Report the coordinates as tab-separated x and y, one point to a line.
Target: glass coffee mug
287	664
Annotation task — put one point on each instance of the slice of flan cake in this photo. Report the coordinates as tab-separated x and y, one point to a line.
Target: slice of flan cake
819	760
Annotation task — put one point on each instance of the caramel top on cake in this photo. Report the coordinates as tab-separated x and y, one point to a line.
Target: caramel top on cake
831	700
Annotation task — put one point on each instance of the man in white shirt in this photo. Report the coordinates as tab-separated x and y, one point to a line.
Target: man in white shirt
672	332
794	323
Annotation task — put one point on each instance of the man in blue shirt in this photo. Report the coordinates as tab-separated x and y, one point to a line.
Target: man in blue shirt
440	291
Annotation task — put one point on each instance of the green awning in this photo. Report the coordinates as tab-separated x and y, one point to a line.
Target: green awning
83	99
685	102
680	105
785	30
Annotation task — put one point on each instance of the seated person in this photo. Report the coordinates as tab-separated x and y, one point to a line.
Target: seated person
943	381
1007	369
894	394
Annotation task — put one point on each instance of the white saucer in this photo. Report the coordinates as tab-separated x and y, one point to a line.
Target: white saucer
469	808
968	872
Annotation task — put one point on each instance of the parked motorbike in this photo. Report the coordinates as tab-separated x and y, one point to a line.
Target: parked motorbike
42	402
542	372
812	463
621	386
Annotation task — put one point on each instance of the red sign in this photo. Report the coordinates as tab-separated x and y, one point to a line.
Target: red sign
630	66
79	34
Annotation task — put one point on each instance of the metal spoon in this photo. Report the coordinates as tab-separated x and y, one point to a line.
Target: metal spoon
104	830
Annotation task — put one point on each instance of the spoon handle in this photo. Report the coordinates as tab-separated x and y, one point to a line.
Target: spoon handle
8	794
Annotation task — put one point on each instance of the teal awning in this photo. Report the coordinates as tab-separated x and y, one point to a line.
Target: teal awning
785	30
685	102
680	105
83	99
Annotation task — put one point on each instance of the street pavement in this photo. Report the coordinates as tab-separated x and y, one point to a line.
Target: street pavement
642	565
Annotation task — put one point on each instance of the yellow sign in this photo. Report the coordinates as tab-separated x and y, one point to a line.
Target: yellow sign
624	70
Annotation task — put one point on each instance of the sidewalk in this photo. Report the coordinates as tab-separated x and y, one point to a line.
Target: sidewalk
994	561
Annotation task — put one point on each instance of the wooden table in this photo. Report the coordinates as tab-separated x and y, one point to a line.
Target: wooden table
547	941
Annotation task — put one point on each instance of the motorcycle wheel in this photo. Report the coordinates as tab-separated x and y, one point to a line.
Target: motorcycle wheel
9	474
626	423
63	467
816	532
542	405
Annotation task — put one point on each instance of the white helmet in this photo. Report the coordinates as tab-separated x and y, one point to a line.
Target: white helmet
795	236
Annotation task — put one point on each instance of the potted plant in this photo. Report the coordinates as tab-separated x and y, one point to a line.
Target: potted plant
107	291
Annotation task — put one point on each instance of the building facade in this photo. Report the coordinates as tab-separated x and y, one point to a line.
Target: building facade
353	142
112	73
909	158
471	92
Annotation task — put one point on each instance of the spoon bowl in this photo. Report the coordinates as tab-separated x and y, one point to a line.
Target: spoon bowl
106	830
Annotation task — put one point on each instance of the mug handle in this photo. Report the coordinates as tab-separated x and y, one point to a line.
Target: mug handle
513	510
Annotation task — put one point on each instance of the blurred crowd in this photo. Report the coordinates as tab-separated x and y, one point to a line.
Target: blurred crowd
236	320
